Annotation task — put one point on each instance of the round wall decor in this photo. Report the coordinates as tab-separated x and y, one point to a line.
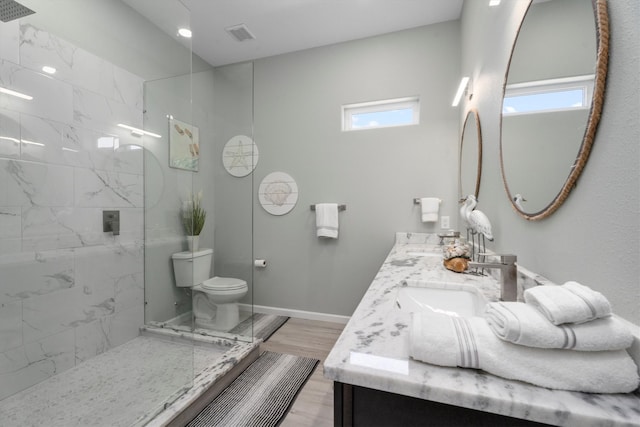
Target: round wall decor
278	193
240	156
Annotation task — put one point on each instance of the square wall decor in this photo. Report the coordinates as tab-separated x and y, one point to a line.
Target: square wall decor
184	145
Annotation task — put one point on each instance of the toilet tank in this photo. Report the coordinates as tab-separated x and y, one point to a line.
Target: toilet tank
192	268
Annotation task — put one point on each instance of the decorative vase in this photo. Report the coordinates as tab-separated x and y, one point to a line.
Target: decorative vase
193	243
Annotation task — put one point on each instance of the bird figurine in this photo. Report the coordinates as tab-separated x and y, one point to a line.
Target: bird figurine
477	220
463	214
517	200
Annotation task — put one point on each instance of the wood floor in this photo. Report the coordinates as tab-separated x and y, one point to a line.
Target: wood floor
310	338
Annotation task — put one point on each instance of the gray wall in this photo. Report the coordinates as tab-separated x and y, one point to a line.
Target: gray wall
593	237
376	173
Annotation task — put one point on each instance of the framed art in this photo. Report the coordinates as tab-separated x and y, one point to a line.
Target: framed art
240	156
278	193
184	145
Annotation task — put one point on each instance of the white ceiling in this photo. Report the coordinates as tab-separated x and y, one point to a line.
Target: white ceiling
282	26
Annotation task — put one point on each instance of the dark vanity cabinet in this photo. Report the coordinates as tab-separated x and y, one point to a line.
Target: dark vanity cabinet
364	407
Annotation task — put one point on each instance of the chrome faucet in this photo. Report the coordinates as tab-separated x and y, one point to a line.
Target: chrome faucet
448	235
508	275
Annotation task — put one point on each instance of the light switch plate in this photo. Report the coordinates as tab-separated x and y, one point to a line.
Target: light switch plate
444	223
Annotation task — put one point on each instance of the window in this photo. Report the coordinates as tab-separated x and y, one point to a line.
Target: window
379	114
573	93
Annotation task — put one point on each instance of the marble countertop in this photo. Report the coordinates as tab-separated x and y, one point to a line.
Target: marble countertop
373	352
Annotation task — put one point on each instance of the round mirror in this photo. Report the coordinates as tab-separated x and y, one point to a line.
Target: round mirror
552	102
470	162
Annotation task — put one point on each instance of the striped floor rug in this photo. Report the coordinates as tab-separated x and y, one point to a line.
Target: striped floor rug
261	395
260	325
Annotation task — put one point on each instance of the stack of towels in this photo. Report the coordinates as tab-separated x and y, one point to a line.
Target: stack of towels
561	337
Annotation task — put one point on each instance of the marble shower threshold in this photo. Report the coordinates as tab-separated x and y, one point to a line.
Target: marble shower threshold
150	378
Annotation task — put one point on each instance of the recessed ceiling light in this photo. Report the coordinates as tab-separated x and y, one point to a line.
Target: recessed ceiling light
494	2
185	32
48	69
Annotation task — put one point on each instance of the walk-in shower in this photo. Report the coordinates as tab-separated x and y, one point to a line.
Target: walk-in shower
93	330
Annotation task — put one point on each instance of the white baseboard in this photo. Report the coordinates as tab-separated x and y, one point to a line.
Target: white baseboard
300	314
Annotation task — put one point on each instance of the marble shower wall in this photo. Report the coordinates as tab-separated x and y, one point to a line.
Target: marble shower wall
68	291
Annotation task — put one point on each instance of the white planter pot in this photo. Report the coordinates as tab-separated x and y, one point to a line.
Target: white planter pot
193	243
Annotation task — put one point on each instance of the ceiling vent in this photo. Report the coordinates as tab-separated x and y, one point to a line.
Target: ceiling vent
240	32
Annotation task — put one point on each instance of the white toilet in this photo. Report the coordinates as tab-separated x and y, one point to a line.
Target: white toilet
215	300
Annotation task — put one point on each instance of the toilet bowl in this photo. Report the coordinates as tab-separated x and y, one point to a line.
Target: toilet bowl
215	299
215	302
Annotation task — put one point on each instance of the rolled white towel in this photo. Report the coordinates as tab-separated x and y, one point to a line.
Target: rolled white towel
569	303
469	343
523	324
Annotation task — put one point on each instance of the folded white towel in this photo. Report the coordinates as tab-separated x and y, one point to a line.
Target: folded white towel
469	343
327	220
429	207
523	324
569	303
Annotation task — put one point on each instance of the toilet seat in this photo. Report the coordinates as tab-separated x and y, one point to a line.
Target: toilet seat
223	284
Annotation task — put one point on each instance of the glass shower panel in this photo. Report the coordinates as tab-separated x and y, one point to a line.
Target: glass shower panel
76	207
97	164
171	164
167	188
235	157
222	119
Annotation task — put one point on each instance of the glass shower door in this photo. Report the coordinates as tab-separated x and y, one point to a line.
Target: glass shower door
234	161
73	210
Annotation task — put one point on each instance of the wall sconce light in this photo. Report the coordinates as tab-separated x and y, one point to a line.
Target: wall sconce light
464	88
16	94
139	132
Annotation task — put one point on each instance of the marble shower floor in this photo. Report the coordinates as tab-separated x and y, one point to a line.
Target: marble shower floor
122	387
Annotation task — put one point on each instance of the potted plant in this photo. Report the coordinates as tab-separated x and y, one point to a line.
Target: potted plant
193	218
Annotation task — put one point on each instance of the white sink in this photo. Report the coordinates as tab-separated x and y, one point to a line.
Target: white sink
441	297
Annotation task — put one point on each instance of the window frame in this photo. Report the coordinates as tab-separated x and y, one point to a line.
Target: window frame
584	83
386	105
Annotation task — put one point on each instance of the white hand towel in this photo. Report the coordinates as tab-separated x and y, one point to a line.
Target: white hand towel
327	220
469	343
429	207
569	303
523	324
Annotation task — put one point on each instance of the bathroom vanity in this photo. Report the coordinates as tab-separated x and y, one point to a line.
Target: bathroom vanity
377	383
